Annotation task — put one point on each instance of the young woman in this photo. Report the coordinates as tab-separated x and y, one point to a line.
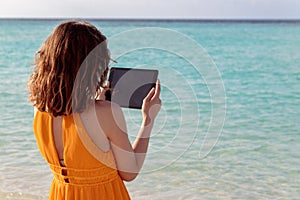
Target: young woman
84	140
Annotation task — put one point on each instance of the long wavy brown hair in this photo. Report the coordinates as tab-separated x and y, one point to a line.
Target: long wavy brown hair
70	67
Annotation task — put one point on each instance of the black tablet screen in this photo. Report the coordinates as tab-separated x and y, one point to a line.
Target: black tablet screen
130	86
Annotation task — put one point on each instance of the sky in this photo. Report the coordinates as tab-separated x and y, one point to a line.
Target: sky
186	9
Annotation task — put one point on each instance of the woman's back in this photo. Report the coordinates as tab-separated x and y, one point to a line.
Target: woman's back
83	176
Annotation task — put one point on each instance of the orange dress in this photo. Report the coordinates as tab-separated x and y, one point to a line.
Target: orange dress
83	177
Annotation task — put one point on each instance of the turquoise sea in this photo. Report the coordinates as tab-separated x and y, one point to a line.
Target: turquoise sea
229	127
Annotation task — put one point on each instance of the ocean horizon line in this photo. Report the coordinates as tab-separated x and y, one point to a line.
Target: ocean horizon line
167	20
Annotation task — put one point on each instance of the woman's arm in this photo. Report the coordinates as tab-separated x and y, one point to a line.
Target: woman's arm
130	158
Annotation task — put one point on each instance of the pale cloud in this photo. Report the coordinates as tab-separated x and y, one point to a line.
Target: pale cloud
151	8
253	2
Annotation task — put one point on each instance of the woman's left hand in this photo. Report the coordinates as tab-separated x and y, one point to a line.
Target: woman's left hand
101	94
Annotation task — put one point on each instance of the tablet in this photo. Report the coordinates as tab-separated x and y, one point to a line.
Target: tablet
129	86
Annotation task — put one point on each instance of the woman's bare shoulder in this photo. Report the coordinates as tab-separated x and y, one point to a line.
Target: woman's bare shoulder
106	106
111	116
109	111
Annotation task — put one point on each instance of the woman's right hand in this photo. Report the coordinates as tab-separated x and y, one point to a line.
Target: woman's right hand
129	157
151	104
